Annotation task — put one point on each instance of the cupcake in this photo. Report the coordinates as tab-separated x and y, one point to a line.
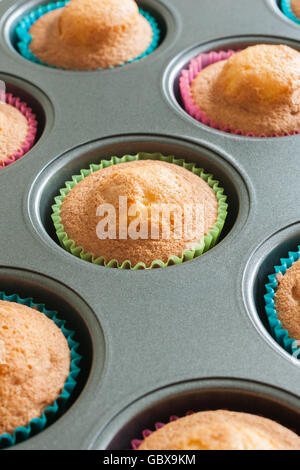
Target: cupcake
88	34
283	303
162	213
295	6
18	128
221	430
37	361
253	92
291	9
287	300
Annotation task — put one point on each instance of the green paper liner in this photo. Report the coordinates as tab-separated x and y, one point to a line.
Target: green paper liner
209	241
39	423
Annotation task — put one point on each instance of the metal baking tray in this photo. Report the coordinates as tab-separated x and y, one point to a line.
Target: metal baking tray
160	342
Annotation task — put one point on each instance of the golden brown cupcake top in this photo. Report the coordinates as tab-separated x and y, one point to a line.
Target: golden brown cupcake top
222	430
287	300
88	22
91	34
13	130
144	185
256	90
295	5
262	75
34	364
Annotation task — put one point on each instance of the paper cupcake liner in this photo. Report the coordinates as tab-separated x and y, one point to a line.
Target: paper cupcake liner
208	241
38	424
32	128
287	10
188	75
280	335
25	37
135	443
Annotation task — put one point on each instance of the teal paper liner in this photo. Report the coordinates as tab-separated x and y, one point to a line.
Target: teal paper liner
22	32
38	424
287	10
280	335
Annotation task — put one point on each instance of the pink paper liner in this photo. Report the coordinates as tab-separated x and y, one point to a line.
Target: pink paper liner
135	443
188	75
32	128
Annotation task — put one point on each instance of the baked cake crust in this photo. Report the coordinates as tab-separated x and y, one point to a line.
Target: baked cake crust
256	91
86	35
222	430
34	364
143	183
287	300
13	130
295	5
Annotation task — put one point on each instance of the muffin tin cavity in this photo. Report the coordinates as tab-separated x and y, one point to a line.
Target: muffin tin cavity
203	395
54	176
172	73
162	15
69	307
198	321
259	267
35	99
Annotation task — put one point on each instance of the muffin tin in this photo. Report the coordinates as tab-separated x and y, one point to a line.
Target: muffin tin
160	342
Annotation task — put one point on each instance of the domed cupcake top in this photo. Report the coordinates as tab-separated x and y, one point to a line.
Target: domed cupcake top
91	34
89	22
261	75
144	186
287	300
222	430
255	91
34	364
13	130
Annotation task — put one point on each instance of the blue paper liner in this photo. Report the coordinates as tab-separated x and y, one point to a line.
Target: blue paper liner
22	32
38	424
280	335
287	10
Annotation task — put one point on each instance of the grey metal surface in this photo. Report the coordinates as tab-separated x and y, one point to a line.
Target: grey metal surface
144	331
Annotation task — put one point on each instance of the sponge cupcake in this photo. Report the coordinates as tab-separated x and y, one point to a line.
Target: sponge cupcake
222	430
18	129
291	9
252	92
88	34
295	6
287	300
282	303
34	364
146	186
